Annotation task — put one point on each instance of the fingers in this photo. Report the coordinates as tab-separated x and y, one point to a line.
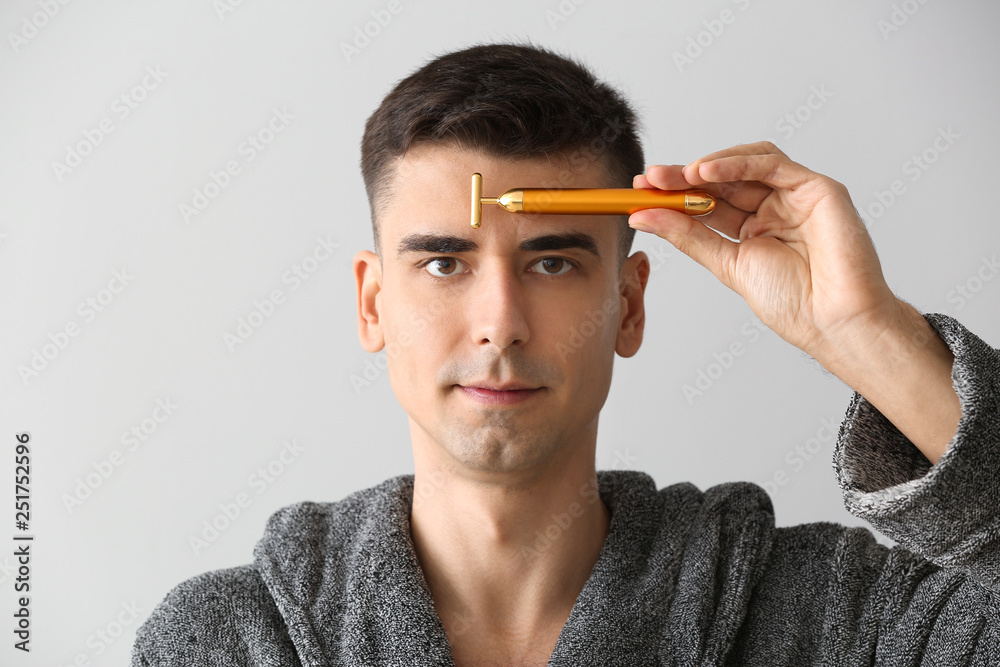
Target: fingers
756	148
743	196
725	218
776	171
662	176
740	178
713	251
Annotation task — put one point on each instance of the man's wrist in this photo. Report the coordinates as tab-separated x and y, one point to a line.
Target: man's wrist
902	366
899	331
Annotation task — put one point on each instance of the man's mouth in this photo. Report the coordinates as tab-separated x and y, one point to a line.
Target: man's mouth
505	396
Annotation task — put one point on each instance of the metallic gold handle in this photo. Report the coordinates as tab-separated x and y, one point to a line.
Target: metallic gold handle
590	201
615	201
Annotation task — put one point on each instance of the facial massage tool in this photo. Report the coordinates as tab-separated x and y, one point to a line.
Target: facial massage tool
589	201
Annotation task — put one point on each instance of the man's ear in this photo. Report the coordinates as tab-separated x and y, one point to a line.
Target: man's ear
368	275
634	274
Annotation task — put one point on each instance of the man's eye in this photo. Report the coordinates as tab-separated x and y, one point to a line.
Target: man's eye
450	271
447	266
566	263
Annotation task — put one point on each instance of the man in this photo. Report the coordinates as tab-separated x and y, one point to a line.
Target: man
506	546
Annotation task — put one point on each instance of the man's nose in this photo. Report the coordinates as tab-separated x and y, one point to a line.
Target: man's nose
498	308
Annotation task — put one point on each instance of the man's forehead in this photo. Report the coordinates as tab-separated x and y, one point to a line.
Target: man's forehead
428	162
431	206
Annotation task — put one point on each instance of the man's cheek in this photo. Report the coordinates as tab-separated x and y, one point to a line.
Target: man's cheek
402	335
410	334
595	327
410	324
430	315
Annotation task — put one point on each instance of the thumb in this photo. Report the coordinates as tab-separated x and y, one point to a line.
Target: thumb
693	238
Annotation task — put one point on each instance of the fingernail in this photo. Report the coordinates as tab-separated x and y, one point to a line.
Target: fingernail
638	224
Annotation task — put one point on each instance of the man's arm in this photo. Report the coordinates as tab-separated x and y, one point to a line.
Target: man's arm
833	595
948	512
806	265
903	367
223	618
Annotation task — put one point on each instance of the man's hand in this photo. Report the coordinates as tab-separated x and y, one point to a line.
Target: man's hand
805	262
807	267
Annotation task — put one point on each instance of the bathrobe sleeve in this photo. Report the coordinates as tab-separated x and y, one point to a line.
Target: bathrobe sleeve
933	599
833	595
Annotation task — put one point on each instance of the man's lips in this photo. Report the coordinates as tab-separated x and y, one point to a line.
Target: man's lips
501	396
494	384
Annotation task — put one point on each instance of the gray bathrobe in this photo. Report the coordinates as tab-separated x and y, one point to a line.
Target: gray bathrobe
685	577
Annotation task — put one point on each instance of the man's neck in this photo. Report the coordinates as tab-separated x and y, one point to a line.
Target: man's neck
505	562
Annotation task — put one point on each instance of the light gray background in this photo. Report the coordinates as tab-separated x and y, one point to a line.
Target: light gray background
886	96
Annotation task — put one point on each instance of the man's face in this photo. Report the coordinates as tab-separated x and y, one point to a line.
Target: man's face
530	299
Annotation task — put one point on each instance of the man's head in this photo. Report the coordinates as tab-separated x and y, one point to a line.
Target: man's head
515	102
541	300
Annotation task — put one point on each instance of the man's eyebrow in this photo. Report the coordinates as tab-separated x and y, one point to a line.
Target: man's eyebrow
448	243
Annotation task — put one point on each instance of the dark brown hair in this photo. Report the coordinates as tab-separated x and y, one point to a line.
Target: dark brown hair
511	101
